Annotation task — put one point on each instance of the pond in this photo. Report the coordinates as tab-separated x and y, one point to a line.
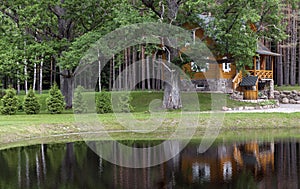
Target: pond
249	164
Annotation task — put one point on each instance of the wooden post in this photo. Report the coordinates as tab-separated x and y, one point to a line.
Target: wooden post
272	63
255	64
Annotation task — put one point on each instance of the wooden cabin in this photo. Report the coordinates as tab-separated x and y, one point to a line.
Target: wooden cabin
223	75
223	163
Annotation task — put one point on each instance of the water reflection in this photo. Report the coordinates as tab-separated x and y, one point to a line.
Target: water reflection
253	164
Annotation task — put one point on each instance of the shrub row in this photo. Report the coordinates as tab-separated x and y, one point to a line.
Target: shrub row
11	103
55	104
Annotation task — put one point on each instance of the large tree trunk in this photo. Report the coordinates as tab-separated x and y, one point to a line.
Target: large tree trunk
67	88
172	98
279	66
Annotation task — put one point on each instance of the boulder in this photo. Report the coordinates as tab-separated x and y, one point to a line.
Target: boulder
297	98
294	92
285	101
282	96
276	93
292	101
224	108
298	102
286	92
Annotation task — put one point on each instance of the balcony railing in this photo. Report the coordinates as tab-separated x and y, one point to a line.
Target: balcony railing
262	74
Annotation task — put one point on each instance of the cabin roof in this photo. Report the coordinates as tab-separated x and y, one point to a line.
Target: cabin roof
249	81
263	50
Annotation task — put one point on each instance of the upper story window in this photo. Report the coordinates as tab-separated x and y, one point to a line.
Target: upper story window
199	68
226	67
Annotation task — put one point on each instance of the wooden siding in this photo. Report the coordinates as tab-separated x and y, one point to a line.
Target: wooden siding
215	71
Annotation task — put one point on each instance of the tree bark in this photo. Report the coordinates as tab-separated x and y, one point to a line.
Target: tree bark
113	73
67	82
41	76
148	73
279	67
25	74
34	77
18	80
172	98
134	68
143	67
293	54
99	71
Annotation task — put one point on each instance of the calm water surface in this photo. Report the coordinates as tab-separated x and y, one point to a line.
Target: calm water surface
251	164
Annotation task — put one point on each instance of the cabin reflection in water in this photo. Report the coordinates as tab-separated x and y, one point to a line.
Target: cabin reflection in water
255	164
224	162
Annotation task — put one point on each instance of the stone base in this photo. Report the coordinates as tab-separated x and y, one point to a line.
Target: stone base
223	85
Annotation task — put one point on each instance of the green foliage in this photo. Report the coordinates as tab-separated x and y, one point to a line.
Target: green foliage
20	105
9	102
103	103
79	104
31	104
125	101
268	102
55	102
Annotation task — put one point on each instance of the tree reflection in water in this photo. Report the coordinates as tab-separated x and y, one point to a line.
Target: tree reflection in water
253	164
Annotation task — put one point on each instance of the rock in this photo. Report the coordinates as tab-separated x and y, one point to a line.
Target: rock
224	108
282	96
286	92
298	102
292	101
294	92
285	101
263	97
249	108
276	93
266	107
240	108
297	98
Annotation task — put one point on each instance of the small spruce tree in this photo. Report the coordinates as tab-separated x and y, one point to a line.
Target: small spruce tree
9	102
124	104
103	103
31	104
55	102
79	104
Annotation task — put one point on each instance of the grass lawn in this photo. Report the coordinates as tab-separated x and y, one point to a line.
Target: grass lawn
142	99
44	128
21	129
287	88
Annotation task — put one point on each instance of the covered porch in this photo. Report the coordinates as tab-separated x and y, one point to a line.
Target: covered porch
262	71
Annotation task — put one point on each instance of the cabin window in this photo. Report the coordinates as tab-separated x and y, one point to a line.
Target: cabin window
258	63
227	171
201	172
199	68
226	67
